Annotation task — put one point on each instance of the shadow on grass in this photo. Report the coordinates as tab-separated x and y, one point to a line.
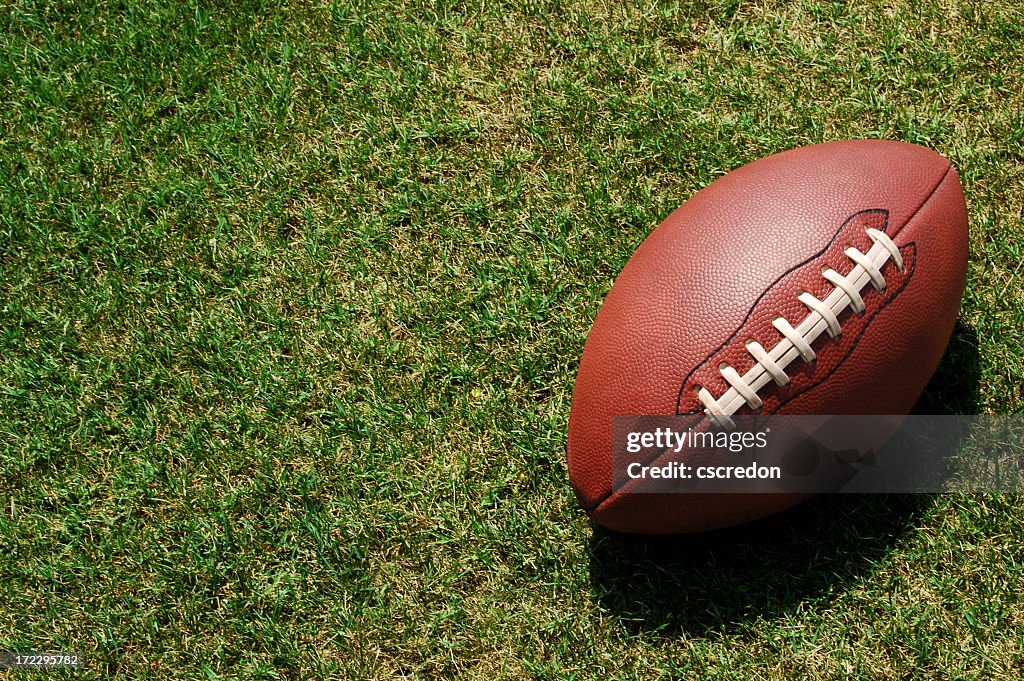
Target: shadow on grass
954	388
722	581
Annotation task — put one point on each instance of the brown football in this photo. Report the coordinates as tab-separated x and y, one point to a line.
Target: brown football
821	280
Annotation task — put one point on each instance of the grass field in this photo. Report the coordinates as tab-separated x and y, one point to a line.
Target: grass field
292	296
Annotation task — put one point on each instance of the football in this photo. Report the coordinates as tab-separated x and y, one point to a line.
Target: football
821	280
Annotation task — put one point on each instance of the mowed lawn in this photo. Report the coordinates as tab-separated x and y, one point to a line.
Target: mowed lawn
292	296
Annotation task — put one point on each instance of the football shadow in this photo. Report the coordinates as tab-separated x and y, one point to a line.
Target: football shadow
954	387
726	580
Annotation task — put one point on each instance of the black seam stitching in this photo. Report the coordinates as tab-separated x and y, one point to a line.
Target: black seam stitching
772	286
746	318
912	248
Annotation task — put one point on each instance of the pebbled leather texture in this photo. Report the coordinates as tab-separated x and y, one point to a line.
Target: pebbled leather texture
739	252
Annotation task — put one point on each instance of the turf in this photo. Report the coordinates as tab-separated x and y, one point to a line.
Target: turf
292	297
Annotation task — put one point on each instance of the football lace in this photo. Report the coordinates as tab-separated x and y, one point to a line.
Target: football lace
822	317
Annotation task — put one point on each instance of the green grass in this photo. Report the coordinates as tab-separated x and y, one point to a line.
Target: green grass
292	296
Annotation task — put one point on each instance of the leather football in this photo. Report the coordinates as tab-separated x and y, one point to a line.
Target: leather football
822	280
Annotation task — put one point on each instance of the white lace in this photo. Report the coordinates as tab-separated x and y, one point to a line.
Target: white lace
823	317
